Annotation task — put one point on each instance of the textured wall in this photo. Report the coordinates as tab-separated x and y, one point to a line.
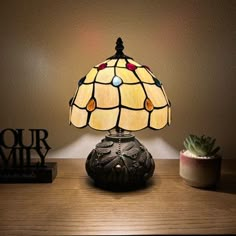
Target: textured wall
46	46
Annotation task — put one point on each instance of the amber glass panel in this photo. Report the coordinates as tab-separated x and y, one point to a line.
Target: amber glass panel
126	75
133	120
105	75
91	105
121	63
148	105
132	96
111	62
159	118
106	95
104	119
90	76
84	94
156	95
144	76
133	62
78	117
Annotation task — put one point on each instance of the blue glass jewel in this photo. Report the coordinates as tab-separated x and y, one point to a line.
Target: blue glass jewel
117	81
81	81
157	82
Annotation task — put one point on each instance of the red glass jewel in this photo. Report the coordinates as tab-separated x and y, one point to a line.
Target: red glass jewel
102	66
131	66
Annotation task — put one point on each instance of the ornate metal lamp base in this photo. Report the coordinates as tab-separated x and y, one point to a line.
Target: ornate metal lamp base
120	162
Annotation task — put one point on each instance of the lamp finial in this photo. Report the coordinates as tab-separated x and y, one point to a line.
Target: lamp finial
119	47
119	50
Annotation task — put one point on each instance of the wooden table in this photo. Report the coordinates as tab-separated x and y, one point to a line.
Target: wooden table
71	205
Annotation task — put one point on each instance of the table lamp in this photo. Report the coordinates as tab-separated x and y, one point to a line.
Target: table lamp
120	95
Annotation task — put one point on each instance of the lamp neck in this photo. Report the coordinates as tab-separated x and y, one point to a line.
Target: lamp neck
119	131
119	137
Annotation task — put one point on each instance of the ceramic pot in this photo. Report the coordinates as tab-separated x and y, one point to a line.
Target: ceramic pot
199	172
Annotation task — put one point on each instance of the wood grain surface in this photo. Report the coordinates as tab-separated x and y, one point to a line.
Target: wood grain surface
71	205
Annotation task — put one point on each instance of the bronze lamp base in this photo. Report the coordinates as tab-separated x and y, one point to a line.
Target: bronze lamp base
120	161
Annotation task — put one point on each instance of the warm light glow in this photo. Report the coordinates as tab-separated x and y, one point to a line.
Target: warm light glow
106	95
103	119
133	120
90	76
79	117
83	95
105	76
121	63
132	96
120	93
156	95
144	75
126	75
159	118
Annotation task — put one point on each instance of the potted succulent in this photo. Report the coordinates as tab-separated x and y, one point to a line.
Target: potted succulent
199	163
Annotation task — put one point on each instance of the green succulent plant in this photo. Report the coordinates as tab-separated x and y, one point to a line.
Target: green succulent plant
201	146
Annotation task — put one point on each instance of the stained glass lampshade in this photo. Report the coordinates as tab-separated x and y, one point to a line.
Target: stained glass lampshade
123	95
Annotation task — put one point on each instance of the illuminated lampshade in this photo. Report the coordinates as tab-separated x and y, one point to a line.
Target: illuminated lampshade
120	94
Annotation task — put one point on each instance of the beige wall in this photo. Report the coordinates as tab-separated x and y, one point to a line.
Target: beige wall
46	46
